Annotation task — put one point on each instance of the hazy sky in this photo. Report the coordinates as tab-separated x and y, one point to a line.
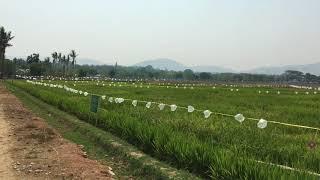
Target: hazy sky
240	34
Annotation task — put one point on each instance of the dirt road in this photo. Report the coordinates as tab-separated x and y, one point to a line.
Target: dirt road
6	171
30	149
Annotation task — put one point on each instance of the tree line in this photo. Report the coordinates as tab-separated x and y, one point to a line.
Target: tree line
57	65
65	66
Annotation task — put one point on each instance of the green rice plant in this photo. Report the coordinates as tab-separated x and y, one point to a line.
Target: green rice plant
218	147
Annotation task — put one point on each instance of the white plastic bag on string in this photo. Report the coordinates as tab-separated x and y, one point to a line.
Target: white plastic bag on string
207	113
110	99
85	94
239	117
190	109
173	107
148	105
103	97
262	123
134	103
161	106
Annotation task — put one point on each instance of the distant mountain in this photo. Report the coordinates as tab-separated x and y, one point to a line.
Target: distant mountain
213	69
169	64
89	61
307	68
164	64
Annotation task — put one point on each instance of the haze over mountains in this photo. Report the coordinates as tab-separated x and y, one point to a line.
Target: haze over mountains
89	61
170	64
306	68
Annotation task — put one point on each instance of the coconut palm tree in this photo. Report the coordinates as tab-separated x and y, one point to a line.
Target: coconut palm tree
63	62
5	37
54	58
47	60
68	63
73	55
59	61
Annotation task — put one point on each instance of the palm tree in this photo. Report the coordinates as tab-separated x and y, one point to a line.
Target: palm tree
73	55
5	37
54	57
45	65
63	62
59	60
68	63
47	60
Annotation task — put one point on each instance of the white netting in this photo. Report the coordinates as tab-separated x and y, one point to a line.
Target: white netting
161	106
118	100
262	123
207	113
239	117
134	103
190	109
173	107
148	105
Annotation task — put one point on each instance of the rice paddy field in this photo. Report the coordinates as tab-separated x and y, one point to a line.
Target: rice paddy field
217	147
